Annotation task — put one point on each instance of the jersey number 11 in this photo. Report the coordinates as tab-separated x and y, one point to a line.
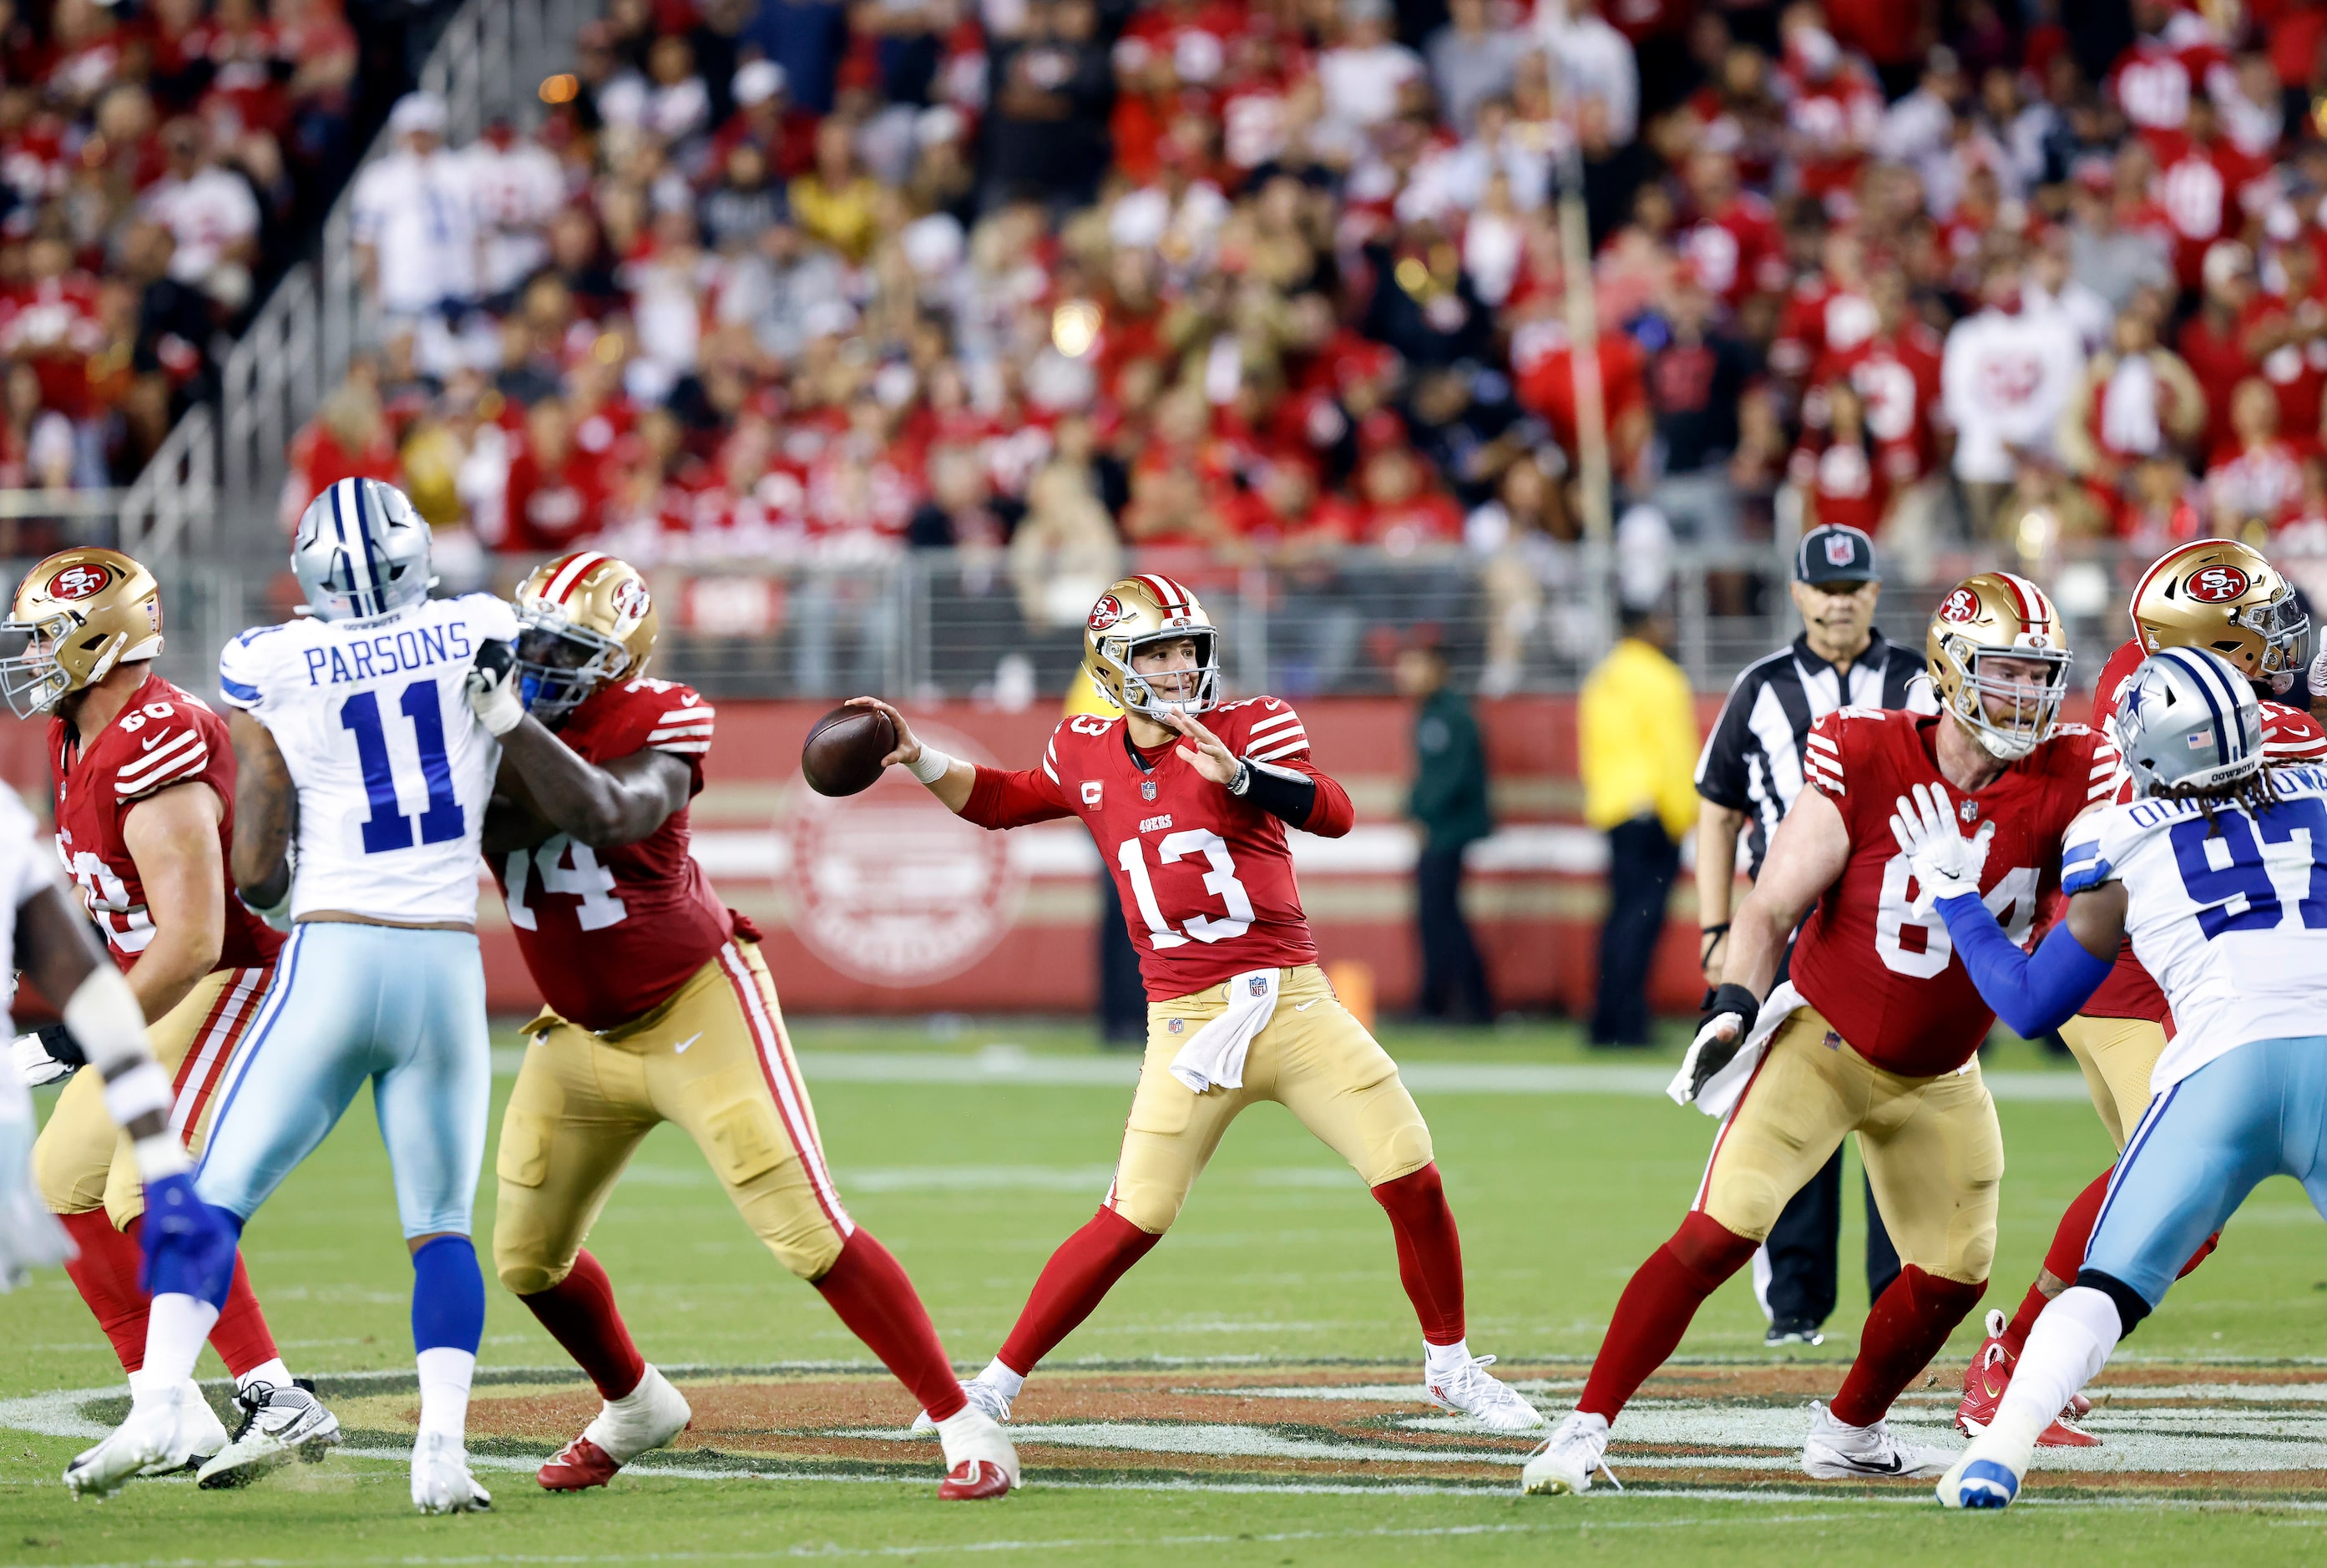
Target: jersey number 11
387	827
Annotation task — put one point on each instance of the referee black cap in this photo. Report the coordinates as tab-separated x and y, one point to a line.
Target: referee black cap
1835	553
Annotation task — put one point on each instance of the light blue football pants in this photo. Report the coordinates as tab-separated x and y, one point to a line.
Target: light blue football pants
403	1008
2203	1145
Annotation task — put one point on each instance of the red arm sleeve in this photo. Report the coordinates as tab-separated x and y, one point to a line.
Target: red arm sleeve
1002	799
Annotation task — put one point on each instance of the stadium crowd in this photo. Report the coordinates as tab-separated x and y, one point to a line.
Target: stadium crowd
153	159
1230	282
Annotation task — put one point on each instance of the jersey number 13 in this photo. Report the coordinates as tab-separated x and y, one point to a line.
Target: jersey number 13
1221	882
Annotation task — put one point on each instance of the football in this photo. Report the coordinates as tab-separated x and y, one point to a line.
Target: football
842	754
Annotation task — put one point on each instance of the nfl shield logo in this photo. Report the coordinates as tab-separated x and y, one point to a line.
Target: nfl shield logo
1147	788
1969	810
1839	549
1259	985
1174	1025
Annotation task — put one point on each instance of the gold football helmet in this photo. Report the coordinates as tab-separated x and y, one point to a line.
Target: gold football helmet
1998	615
2222	596
588	620
1135	614
79	613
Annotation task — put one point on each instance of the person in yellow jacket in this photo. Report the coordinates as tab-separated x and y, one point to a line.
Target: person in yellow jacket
1638	747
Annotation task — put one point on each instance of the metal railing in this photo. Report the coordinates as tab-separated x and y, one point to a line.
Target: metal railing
173	507
490	61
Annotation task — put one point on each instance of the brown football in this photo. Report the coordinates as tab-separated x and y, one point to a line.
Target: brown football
842	755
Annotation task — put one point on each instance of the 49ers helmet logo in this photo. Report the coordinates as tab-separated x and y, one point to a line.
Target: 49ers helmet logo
1961	605
631	600
2216	584
1106	612
84	580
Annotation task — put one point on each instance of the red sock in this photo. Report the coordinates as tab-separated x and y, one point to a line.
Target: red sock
1429	1251
1072	1285
240	1335
2205	1250
1655	1309
579	1312
1904	1329
2063	1259
868	1288
106	1275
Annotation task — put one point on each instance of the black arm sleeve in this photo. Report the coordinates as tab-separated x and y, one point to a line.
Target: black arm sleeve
1284	794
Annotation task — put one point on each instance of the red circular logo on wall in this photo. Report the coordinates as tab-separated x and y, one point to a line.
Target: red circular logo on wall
1106	612
1961	605
2218	585
83	581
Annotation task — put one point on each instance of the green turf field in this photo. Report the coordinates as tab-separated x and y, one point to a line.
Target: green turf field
971	1148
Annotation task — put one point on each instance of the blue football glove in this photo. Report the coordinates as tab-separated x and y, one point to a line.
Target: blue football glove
189	1245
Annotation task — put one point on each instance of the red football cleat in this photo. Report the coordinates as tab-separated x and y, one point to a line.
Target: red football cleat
971	1479
577	1466
1986	1378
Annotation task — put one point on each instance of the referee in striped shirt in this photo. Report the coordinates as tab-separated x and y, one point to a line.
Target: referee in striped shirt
1747	779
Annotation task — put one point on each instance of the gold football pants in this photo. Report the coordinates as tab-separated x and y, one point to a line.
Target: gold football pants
1933	1151
1313	1058
82	1159
2118	1054
713	1059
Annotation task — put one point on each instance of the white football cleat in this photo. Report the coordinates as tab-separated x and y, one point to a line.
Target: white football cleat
164	1431
1569	1458
980	1461
278	1425
1472	1390
1987	1474
984	1398
441	1481
647	1417
1837	1451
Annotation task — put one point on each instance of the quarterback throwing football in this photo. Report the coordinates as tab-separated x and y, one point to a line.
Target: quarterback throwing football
1877	1031
660	1009
1189	815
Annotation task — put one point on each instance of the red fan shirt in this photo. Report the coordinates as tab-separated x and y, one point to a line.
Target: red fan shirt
1206	879
609	935
1874	956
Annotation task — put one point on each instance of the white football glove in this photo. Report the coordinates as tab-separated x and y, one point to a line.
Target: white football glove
1924	824
492	686
36	1064
2318	674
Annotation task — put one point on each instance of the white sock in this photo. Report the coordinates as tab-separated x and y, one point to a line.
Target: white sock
2066	1350
444	1377
273	1373
954	1431
635	1399
1440	1360
176	1328
997	1376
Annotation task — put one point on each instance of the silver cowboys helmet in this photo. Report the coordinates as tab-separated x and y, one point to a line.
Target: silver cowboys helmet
361	551
2188	719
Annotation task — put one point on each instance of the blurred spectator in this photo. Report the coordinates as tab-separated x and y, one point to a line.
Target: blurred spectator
1471	61
1448	802
210	214
2008	374
1696	384
1637	751
416	228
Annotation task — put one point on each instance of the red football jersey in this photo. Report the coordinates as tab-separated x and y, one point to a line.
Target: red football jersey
165	736
2288	735
1206	879
1874	956
610	934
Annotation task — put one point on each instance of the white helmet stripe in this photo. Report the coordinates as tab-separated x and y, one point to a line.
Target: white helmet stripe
573	572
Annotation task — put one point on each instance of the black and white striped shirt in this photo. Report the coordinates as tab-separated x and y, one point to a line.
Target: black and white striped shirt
1752	760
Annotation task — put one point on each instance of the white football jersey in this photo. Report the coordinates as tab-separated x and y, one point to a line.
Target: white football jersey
2231	919
393	768
27	864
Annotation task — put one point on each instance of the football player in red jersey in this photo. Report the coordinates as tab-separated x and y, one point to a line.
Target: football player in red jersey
1190	815
2212	594
1878	1030
659	1009
144	783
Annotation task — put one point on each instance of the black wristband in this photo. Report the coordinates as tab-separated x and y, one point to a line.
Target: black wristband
1710	938
1288	796
58	1042
1731	997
